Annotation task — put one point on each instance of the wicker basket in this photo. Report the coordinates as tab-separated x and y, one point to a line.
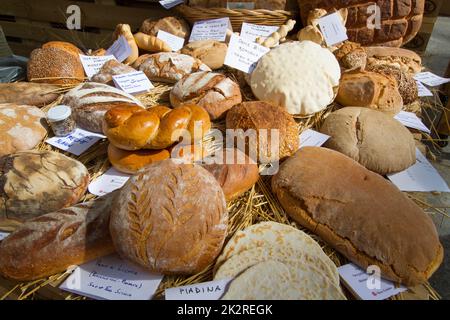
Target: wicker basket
237	16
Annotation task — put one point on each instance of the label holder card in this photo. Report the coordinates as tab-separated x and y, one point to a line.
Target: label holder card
93	64
212	290
430	79
215	29
411	120
110	181
244	54
120	49
332	29
312	138
133	82
169	4
3	235
253	31
77	142
175	43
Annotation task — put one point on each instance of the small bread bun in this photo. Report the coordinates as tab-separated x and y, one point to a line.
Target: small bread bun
133	161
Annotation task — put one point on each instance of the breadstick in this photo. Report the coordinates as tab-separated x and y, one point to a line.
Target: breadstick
275	37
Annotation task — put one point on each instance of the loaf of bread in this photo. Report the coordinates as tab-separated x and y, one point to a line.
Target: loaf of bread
125	31
151	43
210	52
171	218
66	46
90	101
51	243
361	215
374	139
132	128
351	55
21	128
27	93
235	172
111	68
213	91
168	66
173	25
253	123
132	161
369	90
407	60
34	183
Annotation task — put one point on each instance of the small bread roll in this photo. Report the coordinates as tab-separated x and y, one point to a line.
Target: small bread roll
133	161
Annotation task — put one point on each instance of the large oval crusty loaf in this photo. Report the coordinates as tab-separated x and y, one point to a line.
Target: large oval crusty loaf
171	218
359	213
28	93
51	243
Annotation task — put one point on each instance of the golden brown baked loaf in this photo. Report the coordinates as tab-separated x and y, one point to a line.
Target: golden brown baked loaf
66	46
125	31
149	43
111	68
361	215
406	60
49	244
28	93
172	25
257	119
351	56
210	52
171	218
132	128
212	91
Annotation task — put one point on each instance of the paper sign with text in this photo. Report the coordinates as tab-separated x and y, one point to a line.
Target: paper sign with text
93	64
120	49
366	286
168	4
77	142
110	181
422	90
174	42
3	235
212	290
430	79
134	82
332	29
244	54
312	138
252	31
411	120
111	278
421	177
215	29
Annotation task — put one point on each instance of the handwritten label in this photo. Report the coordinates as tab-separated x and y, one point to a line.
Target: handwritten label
241	5
77	142
168	4
430	79
215	29
244	54
132	83
111	278
175	43
3	235
120	49
110	181
411	120
421	177
212	290
332	29
312	138
365	288
252	31
422	90
93	64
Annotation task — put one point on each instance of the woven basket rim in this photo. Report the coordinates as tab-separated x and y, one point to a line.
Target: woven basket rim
236	12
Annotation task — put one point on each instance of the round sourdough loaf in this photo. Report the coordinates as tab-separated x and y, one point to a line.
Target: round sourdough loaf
362	215
28	93
172	25
171	218
111	68
34	183
210	52
21	128
376	140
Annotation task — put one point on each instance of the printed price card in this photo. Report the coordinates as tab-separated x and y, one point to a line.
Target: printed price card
133	83
422	90
93	64
168	4
175	43
77	142
120	49
367	286
3	235
430	79
111	278
244	54
215	29
212	290
332	29
411	120
312	138
110	181
252	31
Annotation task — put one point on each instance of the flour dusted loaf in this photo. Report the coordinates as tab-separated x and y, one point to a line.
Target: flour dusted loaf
51	243
376	140
173	25
21	128
170	219
34	183
111	68
361	215
300	76
28	93
90	101
213	91
210	52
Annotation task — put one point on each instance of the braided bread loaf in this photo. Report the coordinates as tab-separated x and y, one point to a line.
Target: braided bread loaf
132	128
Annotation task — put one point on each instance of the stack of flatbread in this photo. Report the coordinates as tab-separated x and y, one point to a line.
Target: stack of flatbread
273	261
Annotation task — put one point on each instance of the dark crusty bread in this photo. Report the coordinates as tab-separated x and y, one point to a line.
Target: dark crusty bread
359	213
51	243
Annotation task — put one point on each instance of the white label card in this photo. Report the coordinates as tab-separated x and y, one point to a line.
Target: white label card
134	82
312	138
168	4
332	29
366	286
175	43
252	31
93	64
77	142
244	54
111	278
215	29
241	5
110	181
430	79
422	90
421	177
212	290
120	49
3	235
411	120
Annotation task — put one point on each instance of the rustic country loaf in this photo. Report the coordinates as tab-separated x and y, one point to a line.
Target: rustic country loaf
210	52
351	56
407	60
361	215
21	128
111	68
90	101
171	218
34	183
172	25
27	93
51	243
213	91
